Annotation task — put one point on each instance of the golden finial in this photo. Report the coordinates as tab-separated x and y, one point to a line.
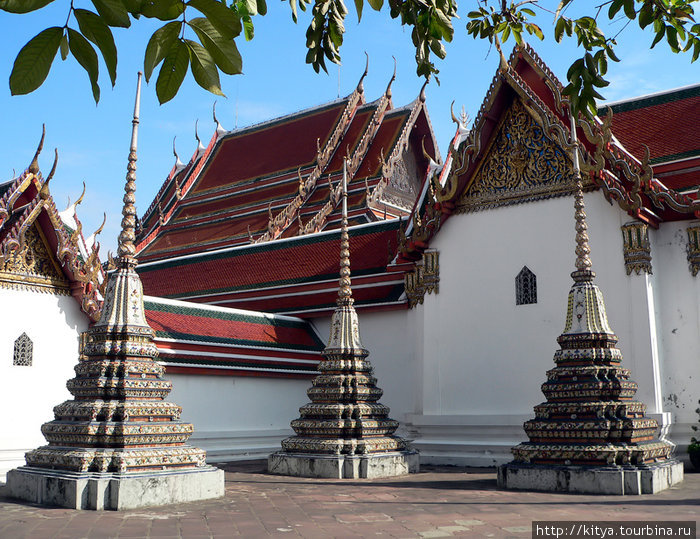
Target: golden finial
421	95
82	195
126	249
583	271
34	165
345	291
360	85
387	92
44	193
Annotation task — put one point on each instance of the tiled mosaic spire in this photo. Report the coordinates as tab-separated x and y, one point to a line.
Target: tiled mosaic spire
118	421
344	415
589	417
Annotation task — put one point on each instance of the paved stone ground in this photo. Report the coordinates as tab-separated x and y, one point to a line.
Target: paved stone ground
438	502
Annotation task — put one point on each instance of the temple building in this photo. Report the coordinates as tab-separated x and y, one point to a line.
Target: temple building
460	266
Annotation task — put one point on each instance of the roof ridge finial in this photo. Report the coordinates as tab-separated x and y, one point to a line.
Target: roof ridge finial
387	92
345	290
80	198
421	95
44	193
200	146
179	165
126	249
361	84
219	128
34	165
583	271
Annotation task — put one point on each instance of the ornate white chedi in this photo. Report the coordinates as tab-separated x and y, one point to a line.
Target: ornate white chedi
344	432
118	444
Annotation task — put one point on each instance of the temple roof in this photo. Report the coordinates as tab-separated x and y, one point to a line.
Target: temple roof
653	188
280	178
201	339
296	275
42	249
667	123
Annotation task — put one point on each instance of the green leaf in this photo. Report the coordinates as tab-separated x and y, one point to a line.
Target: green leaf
203	68
134	7
614	8
376	4
293	7
629	9
659	36
113	12
94	28
225	20
262	7
165	10
359	4
559	29
86	56
158	46
225	53
34	61
172	72
248	28
251	6
23	6
64	47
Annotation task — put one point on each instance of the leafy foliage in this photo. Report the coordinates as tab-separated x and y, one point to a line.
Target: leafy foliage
206	44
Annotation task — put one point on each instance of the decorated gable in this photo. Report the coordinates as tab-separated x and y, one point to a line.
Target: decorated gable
521	164
31	265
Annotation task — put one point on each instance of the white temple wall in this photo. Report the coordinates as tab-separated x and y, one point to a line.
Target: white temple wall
679	329
484	358
238	417
29	393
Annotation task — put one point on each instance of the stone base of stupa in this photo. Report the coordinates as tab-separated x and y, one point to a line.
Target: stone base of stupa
369	466
619	480
112	490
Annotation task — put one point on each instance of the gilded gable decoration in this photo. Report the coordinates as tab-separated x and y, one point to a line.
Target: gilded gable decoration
636	247
24	351
30	266
522	164
694	247
424	279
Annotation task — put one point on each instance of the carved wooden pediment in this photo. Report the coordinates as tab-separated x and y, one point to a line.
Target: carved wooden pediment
521	164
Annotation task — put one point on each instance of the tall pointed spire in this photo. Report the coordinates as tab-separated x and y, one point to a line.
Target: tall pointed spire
344	432
590	436
118	429
126	249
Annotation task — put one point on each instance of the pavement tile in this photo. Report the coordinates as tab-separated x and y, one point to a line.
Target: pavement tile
439	502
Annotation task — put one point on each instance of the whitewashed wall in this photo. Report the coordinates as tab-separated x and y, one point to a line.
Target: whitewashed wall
28	394
238	417
679	329
484	358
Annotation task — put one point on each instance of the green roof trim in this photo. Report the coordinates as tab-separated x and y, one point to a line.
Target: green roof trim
674	156
271	367
242	342
659	99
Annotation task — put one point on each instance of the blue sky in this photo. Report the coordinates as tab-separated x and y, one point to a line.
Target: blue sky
93	140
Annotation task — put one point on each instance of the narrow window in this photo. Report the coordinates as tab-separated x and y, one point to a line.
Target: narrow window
525	287
24	351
